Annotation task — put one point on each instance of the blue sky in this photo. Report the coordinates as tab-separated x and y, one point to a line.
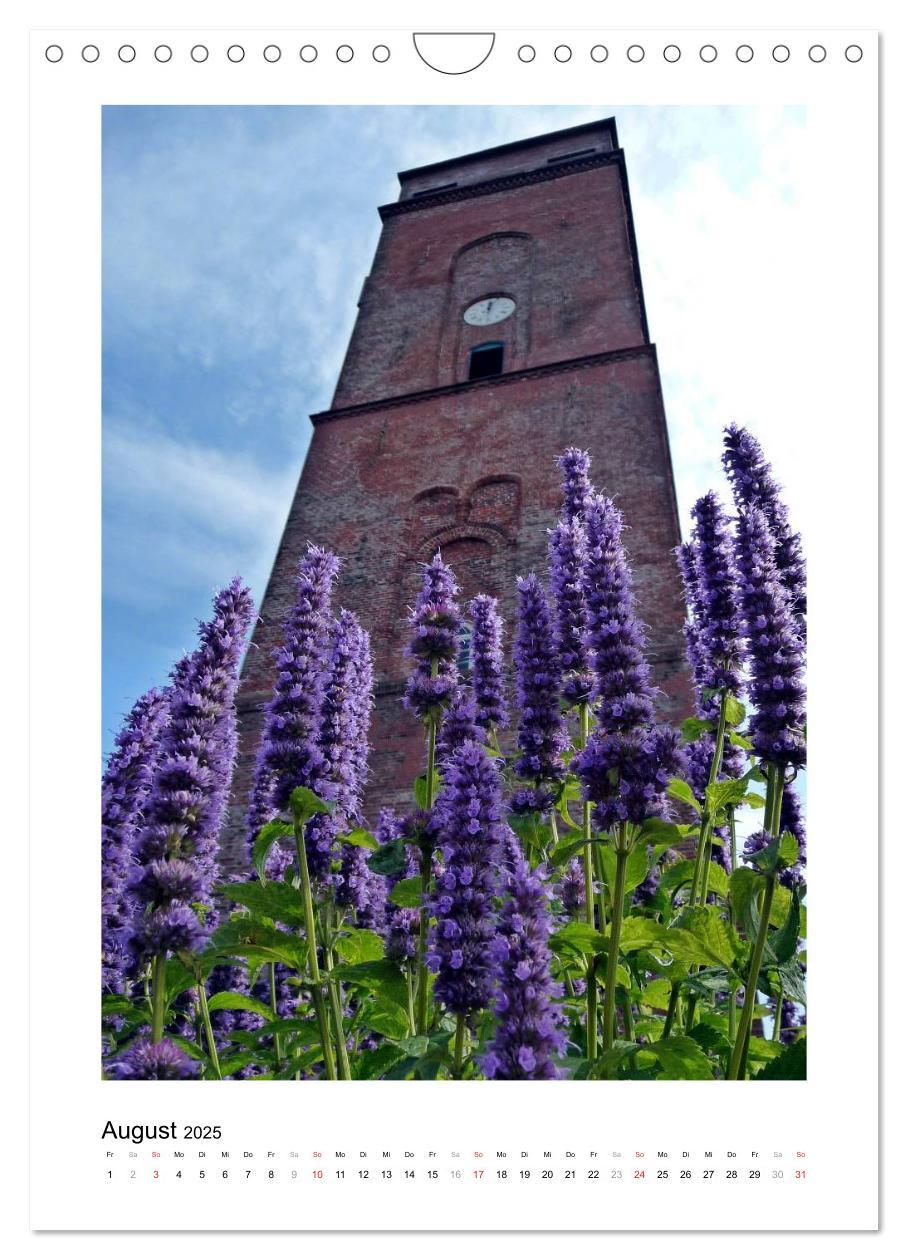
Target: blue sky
235	242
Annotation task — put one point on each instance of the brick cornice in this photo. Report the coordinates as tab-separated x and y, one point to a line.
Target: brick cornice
519	179
647	350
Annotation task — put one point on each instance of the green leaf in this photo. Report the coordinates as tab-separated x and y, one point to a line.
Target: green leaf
606	1067
711	1039
724	793
267	900
407	892
188	1047
792	980
791	1065
304	804
735	713
788	849
414	1046
657	994
692	728
382	977
359	945
419	789
387	1018
288	1027
237	1061
640	933
623	976
656	831
681	873
567	849
580	937
681	791
371	1064
246	938
714	933
239	1002
177	979
745	888
784	943
681	1059
570	791
266	838
359	837
739	740
390	859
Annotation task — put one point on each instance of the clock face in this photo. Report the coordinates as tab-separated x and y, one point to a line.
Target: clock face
490	310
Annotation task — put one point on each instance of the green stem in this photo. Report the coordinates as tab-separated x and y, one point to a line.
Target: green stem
318	997
777	1022
614	945
732	1014
602	896
592	1014
706	826
209	1034
158	978
736	1064
732	840
589	904
272	985
627	1011
411	1009
671	1011
337	1018
587	825
459	1038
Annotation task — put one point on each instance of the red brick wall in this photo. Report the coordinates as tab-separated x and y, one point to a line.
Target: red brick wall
470	467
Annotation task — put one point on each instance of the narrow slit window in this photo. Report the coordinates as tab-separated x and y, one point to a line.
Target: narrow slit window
486	360
464	647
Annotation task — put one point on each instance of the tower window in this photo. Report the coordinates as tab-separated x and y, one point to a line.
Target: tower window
486	360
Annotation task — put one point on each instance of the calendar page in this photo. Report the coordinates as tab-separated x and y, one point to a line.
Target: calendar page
439	430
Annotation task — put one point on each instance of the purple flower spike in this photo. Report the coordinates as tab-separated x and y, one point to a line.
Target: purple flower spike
614	633
541	733
434	641
754	486
342	739
289	756
567	557
460	725
626	774
530	1032
575	482
471	837
719	634
775	648
573	888
488	663
124	788
144	1061
184	808
361	889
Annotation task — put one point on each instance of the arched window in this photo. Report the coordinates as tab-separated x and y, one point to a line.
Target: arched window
486	360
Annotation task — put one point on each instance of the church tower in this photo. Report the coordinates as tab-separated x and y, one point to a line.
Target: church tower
502	321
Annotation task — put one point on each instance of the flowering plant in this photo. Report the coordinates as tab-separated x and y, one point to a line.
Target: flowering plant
571	896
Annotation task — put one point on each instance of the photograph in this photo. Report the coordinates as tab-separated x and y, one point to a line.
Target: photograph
454	594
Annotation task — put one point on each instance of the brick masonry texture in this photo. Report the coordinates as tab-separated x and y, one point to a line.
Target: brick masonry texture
412	458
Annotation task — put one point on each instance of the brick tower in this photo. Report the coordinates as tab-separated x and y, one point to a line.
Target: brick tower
503	320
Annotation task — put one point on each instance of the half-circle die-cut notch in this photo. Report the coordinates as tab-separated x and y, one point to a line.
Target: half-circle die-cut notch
453	52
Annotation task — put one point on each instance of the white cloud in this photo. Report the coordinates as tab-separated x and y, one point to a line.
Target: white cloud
179	515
